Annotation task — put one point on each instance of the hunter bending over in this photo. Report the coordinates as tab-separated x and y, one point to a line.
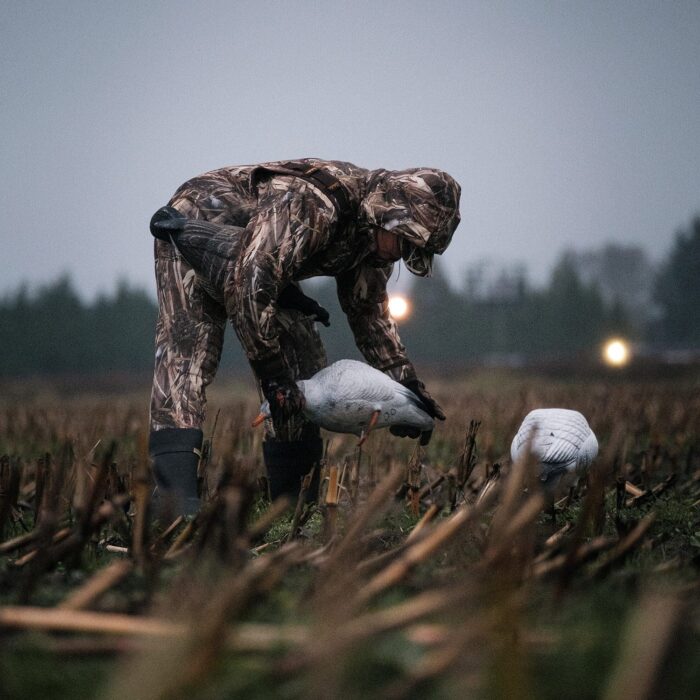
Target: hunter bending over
233	244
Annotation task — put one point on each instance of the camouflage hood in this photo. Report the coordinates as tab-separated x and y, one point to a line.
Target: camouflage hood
421	205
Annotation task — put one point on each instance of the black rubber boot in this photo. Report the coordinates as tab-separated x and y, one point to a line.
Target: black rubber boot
288	462
175	453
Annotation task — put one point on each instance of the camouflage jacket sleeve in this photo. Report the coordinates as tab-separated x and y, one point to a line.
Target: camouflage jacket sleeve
291	223
363	298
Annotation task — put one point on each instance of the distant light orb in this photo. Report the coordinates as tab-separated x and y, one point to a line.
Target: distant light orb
617	353
399	308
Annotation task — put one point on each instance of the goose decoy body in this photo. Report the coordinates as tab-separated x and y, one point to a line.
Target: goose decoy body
560	440
351	397
208	248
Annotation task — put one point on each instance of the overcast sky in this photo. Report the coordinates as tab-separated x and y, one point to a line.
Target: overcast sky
567	124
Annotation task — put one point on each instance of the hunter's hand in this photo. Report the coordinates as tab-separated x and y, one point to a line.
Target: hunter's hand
284	398
430	406
408	431
322	316
291	297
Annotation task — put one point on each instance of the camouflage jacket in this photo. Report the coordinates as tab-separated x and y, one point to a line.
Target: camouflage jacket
292	231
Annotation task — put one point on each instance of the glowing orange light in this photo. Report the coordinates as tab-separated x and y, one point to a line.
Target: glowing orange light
617	352
399	308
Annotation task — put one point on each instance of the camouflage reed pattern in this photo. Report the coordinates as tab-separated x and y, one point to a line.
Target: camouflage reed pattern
255	229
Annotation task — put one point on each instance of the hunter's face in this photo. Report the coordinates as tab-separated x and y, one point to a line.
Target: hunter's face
387	246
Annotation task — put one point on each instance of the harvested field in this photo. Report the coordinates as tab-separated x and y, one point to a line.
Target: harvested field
423	574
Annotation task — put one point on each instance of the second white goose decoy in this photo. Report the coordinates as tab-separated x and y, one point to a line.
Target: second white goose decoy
352	397
560	440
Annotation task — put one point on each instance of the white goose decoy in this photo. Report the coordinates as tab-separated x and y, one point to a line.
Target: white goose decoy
562	442
352	397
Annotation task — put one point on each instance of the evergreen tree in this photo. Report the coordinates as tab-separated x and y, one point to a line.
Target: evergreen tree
677	289
573	315
440	326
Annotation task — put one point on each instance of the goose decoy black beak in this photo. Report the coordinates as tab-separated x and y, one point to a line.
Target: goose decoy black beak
167	222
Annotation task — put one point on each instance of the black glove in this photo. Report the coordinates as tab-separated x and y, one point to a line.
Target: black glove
409	431
291	297
428	404
284	398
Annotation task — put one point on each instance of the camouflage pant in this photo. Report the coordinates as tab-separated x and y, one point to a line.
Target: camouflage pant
189	340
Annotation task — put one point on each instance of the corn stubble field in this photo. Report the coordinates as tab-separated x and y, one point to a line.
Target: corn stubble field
420	574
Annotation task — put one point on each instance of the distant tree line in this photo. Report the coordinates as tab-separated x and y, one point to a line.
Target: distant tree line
588	297
53	331
516	324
